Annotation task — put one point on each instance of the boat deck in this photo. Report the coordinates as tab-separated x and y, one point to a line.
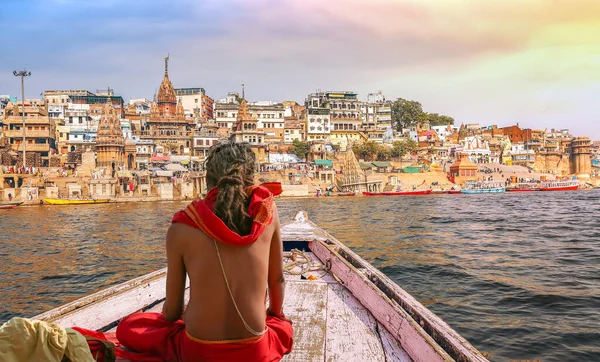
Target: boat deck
345	310
330	324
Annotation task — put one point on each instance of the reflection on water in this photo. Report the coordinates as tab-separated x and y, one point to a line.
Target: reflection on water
518	276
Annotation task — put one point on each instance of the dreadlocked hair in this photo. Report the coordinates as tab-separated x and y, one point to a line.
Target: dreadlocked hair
230	167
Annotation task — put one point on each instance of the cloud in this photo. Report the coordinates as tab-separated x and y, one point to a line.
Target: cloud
478	61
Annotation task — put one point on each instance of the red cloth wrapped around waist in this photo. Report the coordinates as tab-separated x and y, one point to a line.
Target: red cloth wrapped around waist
199	214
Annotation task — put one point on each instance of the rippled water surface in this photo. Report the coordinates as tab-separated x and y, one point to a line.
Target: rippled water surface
518	275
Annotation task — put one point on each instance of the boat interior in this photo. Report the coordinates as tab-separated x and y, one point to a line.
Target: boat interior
342	308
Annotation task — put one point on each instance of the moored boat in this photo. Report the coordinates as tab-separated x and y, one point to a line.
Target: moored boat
487	187
406	193
524	187
397	193
75	201
569	185
341	306
10	205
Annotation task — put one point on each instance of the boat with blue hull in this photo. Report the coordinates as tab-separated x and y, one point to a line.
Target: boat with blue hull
488	187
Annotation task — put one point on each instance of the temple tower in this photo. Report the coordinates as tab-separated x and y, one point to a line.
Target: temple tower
109	141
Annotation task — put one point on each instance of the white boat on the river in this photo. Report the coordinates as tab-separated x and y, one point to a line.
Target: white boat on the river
343	308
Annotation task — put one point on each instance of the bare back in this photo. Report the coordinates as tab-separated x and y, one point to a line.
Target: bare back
210	314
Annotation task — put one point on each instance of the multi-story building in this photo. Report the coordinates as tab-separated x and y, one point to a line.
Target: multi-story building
226	113
205	138
521	155
40	131
196	104
344	115
167	124
96	101
293	130
517	134
318	124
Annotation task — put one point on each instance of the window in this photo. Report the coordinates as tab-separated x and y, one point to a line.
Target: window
196	100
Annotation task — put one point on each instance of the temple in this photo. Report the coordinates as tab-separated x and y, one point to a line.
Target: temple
110	145
246	129
167	124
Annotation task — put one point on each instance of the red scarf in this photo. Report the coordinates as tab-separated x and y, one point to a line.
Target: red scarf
199	214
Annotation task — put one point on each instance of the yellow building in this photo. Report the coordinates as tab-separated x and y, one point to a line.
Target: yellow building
40	131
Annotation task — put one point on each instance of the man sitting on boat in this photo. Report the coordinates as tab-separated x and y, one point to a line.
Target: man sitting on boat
230	246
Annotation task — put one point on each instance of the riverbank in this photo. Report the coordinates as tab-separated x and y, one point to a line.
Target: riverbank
34	188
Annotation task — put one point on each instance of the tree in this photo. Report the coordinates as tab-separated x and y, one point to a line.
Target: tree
406	113
402	148
366	151
439	119
300	149
383	153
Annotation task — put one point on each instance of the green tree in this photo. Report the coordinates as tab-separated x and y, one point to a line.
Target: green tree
439	119
406	113
300	149
402	148
384	153
367	151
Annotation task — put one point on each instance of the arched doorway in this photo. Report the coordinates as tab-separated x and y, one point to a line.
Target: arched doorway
181	150
130	161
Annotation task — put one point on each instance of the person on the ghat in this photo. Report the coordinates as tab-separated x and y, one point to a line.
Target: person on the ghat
230	246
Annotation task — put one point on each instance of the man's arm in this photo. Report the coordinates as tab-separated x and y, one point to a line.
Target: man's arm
173	307
276	280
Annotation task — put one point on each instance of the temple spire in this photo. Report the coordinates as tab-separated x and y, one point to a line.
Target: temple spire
166	65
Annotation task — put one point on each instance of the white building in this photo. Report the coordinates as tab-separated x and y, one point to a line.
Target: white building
318	124
477	149
444	131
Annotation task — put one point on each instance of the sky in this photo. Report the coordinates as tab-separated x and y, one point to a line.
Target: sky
503	62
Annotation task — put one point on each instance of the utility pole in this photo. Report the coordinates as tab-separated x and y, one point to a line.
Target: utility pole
22	74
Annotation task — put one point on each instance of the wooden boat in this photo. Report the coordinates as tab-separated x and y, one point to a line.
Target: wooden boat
75	201
524	187
569	185
343	309
487	187
10	205
397	193
407	193
453	192
346	194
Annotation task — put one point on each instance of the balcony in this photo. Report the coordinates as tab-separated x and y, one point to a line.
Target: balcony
34	147
42	120
28	133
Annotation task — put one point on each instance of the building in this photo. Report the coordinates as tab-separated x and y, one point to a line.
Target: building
463	170
521	155
96	101
293	130
110	144
167	124
344	116
246	130
516	134
477	149
40	131
205	138
196	104
580	157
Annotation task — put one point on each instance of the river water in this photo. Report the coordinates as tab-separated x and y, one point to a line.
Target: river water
518	275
